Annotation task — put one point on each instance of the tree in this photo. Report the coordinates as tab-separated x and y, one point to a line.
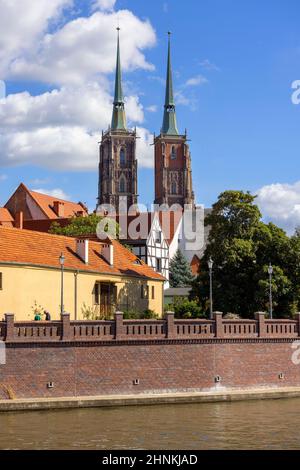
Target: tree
80	226
180	271
242	246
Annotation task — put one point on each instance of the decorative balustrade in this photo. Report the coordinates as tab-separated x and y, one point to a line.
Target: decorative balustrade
138	330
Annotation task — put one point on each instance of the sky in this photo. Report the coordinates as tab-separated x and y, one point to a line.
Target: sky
234	63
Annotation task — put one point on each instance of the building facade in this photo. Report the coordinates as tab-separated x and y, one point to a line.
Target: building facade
173	172
118	164
99	278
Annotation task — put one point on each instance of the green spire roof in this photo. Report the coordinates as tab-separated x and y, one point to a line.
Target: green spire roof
169	123
118	121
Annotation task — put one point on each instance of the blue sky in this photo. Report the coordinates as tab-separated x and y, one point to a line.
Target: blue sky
233	62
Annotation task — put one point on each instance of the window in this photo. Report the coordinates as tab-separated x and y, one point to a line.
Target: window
144	292
97	290
1	281
174	187
173	153
153	292
122	157
157	236
122	185
158	265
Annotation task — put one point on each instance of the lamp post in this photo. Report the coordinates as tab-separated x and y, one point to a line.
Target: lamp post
62	263
210	267
270	271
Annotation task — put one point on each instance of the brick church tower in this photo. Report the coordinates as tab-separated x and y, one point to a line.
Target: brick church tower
173	173
118	164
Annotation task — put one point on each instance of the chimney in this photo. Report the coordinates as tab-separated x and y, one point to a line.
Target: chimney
108	253
59	208
82	250
19	219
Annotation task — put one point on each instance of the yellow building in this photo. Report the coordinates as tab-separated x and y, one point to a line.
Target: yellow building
98	278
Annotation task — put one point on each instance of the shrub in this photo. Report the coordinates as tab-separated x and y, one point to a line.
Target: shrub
187	309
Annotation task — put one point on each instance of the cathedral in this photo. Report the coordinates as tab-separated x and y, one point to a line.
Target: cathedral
118	180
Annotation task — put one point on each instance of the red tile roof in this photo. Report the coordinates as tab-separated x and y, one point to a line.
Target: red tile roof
43	249
46	203
5	215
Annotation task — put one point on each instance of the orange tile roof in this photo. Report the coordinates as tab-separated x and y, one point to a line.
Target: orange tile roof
46	204
5	215
43	249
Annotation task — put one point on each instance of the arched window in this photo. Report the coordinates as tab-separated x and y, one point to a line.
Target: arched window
122	157
122	185
174	187
163	148
173	152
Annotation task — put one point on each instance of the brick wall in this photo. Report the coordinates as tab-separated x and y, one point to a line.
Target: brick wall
174	362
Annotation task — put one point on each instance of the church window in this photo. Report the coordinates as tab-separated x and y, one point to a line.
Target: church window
122	185
174	187
173	153
122	157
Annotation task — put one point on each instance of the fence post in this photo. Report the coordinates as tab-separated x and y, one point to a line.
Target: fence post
261	326
297	317
170	325
119	325
219	331
65	327
10	327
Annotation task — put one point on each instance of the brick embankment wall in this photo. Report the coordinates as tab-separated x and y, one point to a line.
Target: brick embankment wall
128	357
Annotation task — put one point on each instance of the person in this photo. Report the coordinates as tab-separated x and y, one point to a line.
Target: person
47	316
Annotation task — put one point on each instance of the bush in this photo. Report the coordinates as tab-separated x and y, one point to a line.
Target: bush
187	309
134	315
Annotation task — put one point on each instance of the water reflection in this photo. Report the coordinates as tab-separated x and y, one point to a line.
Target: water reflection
271	424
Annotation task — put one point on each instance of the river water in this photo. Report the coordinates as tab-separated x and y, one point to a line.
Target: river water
267	424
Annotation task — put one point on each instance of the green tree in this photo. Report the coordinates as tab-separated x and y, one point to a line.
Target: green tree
180	271
242	246
80	226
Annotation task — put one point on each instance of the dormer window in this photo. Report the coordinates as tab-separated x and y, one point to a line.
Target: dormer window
173	153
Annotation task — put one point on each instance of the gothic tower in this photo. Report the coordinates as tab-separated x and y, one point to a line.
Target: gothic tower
118	163
173	173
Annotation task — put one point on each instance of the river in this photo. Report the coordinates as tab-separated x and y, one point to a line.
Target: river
267	424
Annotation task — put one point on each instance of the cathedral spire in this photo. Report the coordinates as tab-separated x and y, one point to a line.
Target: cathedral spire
169	123
118	121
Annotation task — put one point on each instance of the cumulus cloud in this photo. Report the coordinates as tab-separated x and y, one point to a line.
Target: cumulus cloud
104	4
152	108
144	148
60	129
280	203
22	24
85	48
59	193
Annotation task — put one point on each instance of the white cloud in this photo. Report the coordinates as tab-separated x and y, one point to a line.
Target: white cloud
152	108
61	129
206	64
195	81
280	203
59	193
104	4
144	148
85	48
3	177
22	24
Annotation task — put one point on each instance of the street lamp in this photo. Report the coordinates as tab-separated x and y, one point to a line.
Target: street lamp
210	267
62	263
270	271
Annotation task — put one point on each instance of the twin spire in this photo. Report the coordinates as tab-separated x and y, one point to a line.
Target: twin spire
118	121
